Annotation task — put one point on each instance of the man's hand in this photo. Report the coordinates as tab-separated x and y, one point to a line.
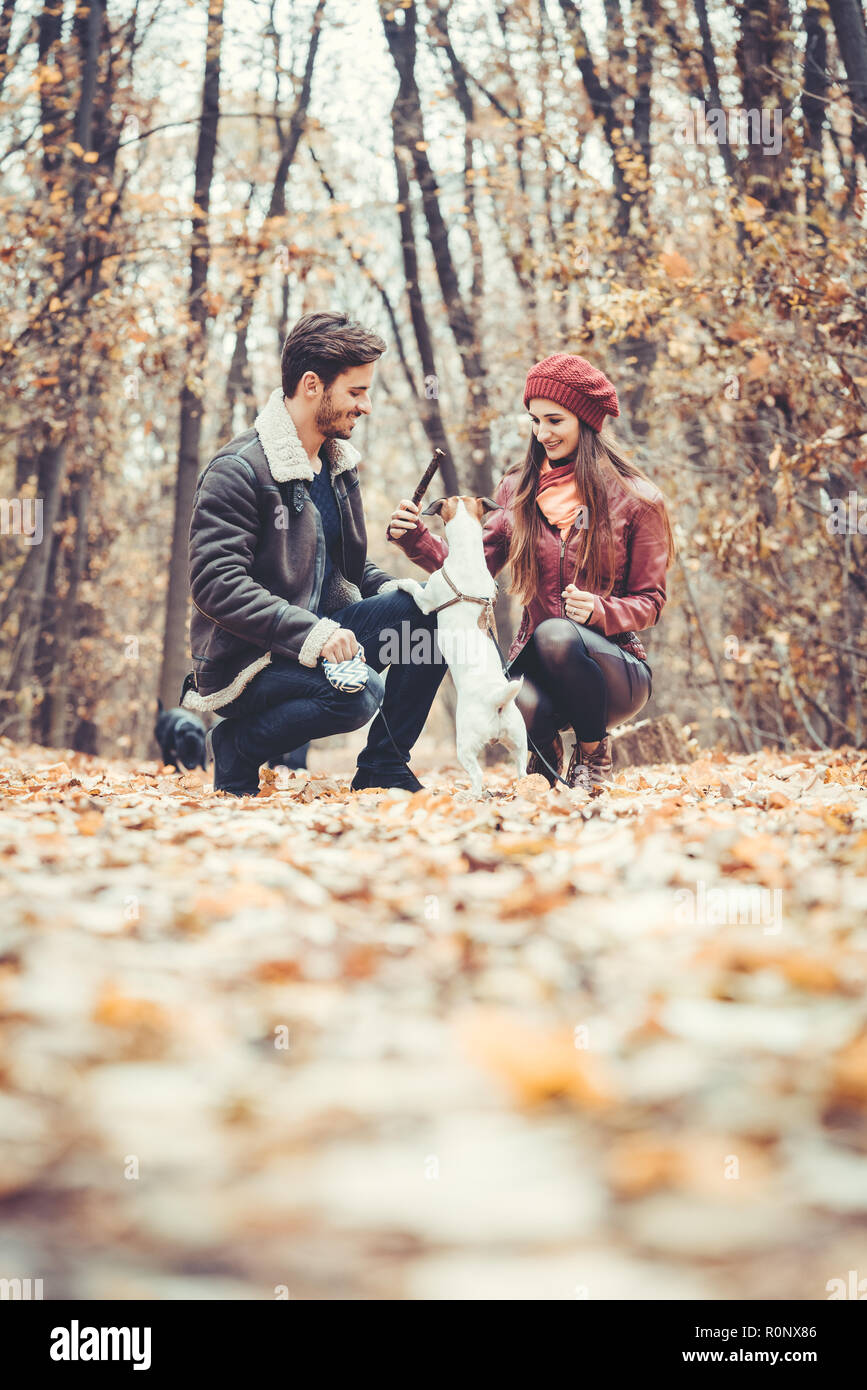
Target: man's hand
342	645
579	603
403	517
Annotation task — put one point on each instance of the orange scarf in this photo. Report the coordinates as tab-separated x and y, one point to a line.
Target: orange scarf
557	496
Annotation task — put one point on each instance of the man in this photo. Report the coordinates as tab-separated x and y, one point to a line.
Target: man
281	581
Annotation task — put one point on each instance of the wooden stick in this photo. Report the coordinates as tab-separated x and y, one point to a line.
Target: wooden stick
428	475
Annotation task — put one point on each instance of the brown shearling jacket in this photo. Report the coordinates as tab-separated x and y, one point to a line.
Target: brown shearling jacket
257	556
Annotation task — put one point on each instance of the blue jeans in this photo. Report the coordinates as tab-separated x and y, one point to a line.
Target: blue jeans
286	704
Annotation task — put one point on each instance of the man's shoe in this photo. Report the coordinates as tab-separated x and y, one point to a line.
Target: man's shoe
232	773
596	757
403	777
553	752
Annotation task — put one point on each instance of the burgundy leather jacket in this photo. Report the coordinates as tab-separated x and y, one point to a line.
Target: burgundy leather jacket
641	558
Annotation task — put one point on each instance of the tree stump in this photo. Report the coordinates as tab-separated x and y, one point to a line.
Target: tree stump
661	740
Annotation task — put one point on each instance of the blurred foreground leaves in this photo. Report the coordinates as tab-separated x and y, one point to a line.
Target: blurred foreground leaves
381	1045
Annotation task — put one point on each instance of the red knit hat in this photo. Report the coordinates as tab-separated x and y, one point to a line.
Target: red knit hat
573	383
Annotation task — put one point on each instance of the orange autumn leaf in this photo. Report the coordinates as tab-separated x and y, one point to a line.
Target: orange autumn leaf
808	972
703	1163
538	1064
115	1010
676	266
758	366
849	1072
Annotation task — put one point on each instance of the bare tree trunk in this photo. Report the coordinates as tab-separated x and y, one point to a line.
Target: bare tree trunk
86	43
175	662
239	379
7	14
65	626
851	32
31	590
851	608
408	125
431	416
709	60
520	249
465	102
813	100
59	634
764	56
54	123
363	266
605	100
630	165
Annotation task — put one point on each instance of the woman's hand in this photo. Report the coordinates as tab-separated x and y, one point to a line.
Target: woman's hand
579	603
403	518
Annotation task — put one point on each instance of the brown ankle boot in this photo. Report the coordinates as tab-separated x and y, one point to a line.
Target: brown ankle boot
553	751
578	775
596	758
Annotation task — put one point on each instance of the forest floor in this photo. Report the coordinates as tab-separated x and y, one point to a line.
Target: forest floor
320	1044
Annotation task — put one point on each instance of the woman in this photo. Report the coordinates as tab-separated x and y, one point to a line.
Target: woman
588	542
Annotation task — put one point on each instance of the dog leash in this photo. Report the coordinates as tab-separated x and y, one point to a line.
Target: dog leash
488	624
539	754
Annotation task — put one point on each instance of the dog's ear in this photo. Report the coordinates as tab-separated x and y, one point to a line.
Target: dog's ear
434	508
159	705
489	506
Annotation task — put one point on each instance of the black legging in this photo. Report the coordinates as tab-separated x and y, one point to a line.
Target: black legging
573	676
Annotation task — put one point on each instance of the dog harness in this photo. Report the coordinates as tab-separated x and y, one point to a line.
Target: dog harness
486	617
486	621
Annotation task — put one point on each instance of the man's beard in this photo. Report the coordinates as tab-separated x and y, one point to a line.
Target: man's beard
329	421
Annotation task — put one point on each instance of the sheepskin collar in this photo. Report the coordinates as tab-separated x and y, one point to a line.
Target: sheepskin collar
286	455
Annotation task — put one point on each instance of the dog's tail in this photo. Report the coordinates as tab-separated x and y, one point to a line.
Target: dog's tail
511	691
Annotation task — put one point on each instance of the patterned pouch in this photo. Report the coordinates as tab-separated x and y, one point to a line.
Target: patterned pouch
348	676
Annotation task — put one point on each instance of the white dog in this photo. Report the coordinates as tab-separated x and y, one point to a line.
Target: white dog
461	593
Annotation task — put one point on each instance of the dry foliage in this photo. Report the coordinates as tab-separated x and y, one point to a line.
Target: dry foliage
385	1045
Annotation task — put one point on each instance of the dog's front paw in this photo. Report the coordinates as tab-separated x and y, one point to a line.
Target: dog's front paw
410	586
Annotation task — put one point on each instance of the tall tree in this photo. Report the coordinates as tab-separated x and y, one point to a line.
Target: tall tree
69	553
813	100
624	112
69	173
175	661
409	136
851	32
765	58
288	133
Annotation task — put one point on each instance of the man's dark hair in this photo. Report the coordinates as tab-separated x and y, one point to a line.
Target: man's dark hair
326	344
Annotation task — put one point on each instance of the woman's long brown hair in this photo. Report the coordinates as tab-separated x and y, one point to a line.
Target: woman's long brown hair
596	456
